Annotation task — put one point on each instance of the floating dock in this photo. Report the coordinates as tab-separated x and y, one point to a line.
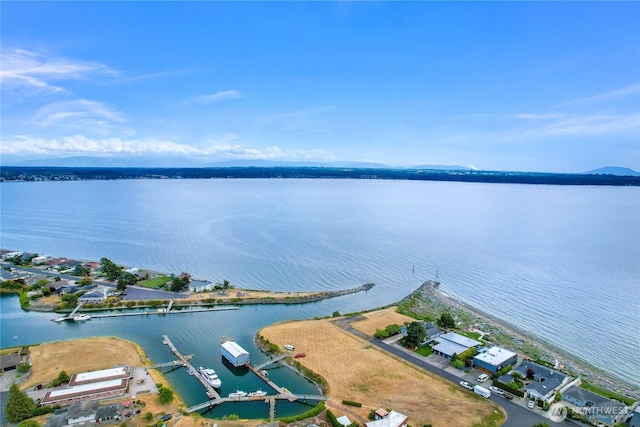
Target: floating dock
147	313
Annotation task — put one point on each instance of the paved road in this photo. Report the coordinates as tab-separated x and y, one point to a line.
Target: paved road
517	416
133	292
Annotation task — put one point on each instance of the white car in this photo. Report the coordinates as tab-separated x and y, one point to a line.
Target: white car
496	390
531	404
466	385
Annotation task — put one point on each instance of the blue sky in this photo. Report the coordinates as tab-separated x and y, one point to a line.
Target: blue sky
540	86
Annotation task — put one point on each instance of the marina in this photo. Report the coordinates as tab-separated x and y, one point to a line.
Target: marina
205	376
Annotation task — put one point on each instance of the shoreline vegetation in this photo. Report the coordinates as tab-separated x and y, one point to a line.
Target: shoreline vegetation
46	173
428	302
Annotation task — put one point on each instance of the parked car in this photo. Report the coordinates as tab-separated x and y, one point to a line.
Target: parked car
531	404
166	417
496	390
482	378
298	355
466	385
508	396
289	347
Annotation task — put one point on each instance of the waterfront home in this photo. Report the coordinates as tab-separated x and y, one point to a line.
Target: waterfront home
40	259
388	419
432	331
93	297
545	380
596	408
494	359
451	343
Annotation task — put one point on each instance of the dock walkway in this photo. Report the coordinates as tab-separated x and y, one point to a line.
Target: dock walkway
211	392
270	361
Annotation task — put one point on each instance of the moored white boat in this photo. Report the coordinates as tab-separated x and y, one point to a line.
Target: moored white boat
258	393
81	317
210	377
237	393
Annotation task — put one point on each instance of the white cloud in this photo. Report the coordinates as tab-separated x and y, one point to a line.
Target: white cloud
630	90
218	96
577	125
80	114
35	73
80	145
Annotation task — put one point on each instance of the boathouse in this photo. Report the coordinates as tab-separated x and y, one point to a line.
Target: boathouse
235	354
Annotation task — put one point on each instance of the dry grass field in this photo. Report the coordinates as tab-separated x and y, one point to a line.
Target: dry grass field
380	319
359	372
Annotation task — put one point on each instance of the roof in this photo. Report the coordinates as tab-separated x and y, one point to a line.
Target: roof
539	371
102	375
394	419
545	387
495	356
583	395
234	349
448	347
460	339
108	410
85	388
83	409
10	360
344	420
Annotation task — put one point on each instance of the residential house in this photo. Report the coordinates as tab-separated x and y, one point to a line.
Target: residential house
391	419
93	297
40	259
432	331
634	421
89	412
451	343
596	408
545	380
494	359
9	362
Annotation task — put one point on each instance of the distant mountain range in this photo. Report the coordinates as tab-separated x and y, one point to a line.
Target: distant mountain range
183	162
614	170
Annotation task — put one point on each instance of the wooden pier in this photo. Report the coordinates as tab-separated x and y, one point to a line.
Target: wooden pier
211	392
270	361
146	313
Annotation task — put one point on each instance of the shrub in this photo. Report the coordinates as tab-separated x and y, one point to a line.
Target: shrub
23	368
308	414
458	364
352	403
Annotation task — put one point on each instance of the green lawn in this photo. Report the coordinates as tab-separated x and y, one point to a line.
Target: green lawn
606	393
473	335
425	351
156	282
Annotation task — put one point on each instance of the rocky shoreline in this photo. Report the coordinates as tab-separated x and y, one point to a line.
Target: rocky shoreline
428	300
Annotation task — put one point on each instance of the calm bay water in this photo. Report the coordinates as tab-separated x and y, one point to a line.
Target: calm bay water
562	263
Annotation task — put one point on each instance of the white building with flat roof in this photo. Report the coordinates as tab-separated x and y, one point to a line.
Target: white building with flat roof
106	383
392	419
494	359
235	354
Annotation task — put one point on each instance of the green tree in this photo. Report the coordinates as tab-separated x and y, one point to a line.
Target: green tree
126	279
23	368
109	269
80	270
148	416
28	423
225	284
415	334
165	395
180	283
19	405
336	314
86	280
446	321
458	364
